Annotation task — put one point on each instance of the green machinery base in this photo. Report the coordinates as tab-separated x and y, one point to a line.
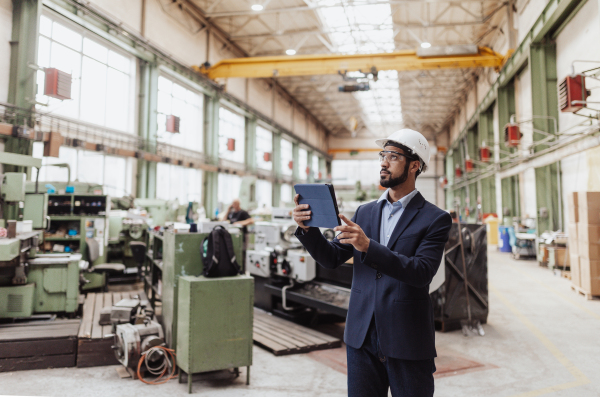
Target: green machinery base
214	324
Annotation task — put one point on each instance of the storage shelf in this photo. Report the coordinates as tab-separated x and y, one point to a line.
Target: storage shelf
73	217
74	238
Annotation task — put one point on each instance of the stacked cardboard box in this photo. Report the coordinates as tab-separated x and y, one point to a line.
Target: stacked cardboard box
588	236
573	210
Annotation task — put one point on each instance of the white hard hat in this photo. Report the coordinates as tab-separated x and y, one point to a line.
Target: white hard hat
413	140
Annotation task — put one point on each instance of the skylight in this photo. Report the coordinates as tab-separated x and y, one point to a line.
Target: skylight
367	28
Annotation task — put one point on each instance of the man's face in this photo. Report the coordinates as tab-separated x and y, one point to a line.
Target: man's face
236	205
394	173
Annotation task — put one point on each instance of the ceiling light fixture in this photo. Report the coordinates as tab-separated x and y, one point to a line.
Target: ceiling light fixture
290	51
425	45
257	7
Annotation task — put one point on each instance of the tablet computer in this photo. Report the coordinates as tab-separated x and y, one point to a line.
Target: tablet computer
323	204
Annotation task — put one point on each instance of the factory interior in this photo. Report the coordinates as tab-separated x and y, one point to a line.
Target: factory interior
144	141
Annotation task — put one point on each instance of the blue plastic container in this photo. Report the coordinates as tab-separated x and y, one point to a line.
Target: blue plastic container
504	238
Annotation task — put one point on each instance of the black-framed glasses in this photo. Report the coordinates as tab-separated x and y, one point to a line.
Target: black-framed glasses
391	156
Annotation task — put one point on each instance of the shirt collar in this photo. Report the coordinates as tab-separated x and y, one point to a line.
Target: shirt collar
404	200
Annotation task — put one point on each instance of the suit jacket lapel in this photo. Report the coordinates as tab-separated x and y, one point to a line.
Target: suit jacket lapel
376	216
411	210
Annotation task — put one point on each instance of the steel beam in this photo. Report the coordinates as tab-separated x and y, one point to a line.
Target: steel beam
20	160
276	168
542	64
310	65
250	144
314	7
22	85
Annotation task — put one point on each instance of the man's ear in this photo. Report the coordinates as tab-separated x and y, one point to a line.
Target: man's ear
414	166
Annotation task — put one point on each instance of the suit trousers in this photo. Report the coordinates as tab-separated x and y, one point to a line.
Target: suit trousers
371	374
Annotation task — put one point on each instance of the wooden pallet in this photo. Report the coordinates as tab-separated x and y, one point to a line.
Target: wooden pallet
95	340
583	292
38	345
282	337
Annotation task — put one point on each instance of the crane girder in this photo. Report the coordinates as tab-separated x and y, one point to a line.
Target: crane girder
328	64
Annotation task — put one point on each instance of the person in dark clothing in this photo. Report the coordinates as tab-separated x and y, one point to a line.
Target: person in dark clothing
397	244
237	216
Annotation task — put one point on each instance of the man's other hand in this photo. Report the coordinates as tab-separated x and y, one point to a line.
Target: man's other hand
301	213
351	233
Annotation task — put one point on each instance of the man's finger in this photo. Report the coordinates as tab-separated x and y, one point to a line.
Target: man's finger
347	221
345	228
346	235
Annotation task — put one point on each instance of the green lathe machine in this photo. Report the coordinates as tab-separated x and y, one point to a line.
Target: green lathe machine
29	282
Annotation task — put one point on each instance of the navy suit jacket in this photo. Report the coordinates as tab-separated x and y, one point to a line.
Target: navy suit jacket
399	298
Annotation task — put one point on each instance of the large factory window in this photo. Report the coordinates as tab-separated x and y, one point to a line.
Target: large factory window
232	133
348	172
315	166
287	156
302	163
103	77
264	194
229	189
176	100
180	183
113	173
264	148
287	198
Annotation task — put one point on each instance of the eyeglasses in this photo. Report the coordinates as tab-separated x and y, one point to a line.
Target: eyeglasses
391	157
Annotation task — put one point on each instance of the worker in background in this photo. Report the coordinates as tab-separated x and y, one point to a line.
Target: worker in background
237	216
397	243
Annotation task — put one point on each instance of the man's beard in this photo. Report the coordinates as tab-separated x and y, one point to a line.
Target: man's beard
393	182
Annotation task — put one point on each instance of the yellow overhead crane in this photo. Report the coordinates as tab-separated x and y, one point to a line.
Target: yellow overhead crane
311	65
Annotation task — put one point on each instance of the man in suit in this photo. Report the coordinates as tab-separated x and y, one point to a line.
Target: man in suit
397	243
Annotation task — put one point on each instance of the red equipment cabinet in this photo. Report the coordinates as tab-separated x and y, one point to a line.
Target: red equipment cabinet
57	84
469	166
572	89
443	181
458	171
267	156
512	135
231	144
484	154
173	123
291	165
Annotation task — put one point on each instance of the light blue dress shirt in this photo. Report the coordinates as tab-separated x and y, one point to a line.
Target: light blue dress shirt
391	213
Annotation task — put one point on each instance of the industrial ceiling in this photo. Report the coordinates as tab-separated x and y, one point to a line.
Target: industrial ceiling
423	100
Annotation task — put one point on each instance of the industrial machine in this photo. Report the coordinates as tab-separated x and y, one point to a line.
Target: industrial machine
31	282
214	324
287	278
124	228
277	252
135	332
181	256
453	302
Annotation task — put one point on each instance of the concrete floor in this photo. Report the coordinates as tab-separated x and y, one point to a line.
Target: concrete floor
541	339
